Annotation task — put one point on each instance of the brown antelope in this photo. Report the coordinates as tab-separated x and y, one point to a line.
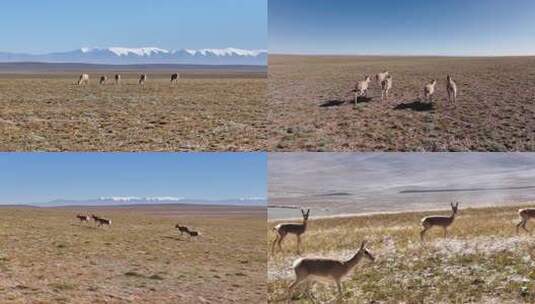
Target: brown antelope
101	221
83	218
451	87
284	229
142	79
182	229
442	221
429	90
84	79
174	78
103	80
525	215
321	269
117	79
193	233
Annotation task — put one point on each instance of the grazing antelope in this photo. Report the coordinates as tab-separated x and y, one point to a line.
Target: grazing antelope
84	79
429	90
380	77
174	78
386	86
101	221
321	269
442	221
525	215
361	88
451	87
117	79
284	229
182	229
83	218
142	79
103	80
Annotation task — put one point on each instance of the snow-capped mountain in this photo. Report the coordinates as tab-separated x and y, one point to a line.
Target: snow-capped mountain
146	55
134	200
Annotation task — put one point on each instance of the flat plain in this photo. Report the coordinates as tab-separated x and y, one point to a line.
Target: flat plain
48	256
311	105
482	260
210	109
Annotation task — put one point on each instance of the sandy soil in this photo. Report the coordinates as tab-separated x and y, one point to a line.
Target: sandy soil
311	107
47	256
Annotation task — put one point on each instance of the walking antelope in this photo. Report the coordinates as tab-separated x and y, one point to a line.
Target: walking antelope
442	221
284	229
429	90
321	269
193	233
525	215
101	221
386	86
142	79
83	218
361	88
174	78
103	79
381	76
451	87
117	79
83	79
182	229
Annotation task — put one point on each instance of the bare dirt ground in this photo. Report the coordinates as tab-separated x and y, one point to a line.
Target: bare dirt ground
311	107
483	260
47	256
214	110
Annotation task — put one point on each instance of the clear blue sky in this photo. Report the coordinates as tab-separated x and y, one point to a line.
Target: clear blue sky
37	26
441	27
41	177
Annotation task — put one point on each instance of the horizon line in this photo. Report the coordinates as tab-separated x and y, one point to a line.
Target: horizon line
397	55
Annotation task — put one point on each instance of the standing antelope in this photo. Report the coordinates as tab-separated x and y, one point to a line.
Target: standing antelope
103	80
442	221
429	90
451	87
84	79
327	269
361	88
525	215
284	229
381	76
386	86
142	79
117	79
83	218
174	78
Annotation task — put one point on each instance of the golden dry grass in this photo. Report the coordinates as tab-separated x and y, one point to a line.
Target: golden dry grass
46	256
482	261
201	113
311	105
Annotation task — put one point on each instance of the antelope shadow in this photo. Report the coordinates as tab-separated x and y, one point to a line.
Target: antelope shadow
416	105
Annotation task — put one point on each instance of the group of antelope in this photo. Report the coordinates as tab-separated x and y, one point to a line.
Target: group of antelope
84	79
325	269
99	221
185	229
384	80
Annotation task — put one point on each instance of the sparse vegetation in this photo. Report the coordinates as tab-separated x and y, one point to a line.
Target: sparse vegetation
48	256
482	261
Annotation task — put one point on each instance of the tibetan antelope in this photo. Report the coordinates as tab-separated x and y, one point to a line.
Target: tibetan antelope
182	229
193	233
525	215
429	90
321	269
451	87
83	218
381	76
386	86
284	229
103	80
83	79
101	221
117	79
441	221
361	89
174	78
142	79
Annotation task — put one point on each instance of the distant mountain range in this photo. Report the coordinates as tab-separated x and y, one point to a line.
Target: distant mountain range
145	55
119	201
